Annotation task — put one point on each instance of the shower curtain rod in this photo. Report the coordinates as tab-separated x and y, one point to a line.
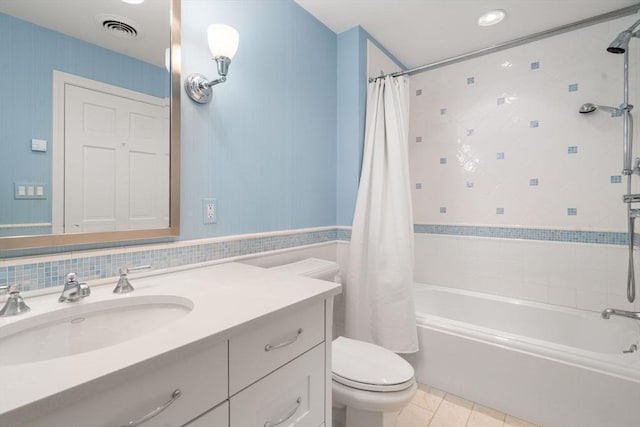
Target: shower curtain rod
629	10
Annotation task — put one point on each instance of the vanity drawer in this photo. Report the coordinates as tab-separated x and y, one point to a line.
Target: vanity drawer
293	395
254	354
199	372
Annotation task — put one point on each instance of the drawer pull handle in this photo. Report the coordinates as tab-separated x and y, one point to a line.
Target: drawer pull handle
287	415
270	347
174	396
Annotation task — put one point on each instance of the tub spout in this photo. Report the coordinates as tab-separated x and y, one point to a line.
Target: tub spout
608	312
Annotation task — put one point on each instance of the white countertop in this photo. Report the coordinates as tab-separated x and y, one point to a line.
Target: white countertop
227	298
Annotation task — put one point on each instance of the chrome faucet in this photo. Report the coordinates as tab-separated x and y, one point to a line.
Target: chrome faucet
123	285
15	304
74	290
608	312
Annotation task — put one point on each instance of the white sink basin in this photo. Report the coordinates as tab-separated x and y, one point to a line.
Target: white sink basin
87	326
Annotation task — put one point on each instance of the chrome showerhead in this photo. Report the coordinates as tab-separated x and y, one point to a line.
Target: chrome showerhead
587	108
590	108
621	43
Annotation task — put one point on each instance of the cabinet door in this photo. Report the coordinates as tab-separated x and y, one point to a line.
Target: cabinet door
291	396
199	372
217	417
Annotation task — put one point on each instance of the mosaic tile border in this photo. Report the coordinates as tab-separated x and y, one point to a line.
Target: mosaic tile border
40	275
550	235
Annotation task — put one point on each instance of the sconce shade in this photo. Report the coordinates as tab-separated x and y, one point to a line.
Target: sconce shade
223	40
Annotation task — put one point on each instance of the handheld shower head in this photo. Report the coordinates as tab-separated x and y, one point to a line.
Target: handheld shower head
590	108
587	108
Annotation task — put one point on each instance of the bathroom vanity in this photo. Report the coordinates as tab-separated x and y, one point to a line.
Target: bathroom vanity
225	345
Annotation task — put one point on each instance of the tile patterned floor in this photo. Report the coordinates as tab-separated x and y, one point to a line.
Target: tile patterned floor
435	408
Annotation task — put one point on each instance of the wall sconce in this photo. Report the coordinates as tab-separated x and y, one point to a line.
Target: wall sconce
223	43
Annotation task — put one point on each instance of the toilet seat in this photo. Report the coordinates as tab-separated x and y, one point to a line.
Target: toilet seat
369	367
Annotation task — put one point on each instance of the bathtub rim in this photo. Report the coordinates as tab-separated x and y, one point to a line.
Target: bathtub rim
622	366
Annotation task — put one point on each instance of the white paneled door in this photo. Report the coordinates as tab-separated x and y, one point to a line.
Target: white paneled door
116	167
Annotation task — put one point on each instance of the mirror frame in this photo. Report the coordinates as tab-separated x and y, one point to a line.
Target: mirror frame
58	240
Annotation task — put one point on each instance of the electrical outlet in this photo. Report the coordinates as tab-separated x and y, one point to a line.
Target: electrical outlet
209	211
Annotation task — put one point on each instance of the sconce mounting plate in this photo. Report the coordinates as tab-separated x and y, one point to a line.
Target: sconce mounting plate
196	86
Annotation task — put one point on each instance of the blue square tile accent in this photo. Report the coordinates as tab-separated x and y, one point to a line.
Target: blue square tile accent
443	210
616	179
534	124
418	92
617	113
443	160
418	186
471	80
500	101
499	156
470	132
535	65
573	149
470	184
533	182
572	211
573	87
418	139
499	211
443	111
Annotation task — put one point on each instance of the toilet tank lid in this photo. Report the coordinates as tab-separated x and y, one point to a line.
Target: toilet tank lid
310	267
368	363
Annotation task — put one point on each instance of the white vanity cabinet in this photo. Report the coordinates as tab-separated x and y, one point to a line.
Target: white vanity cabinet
254	351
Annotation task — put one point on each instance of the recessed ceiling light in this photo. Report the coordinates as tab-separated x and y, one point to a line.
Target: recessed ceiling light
491	18
133	1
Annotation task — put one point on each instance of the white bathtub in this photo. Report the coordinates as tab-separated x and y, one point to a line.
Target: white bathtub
558	367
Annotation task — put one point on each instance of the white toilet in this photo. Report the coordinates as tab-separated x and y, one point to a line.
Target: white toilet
370	384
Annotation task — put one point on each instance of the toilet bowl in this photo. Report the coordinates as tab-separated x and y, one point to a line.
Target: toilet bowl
370	384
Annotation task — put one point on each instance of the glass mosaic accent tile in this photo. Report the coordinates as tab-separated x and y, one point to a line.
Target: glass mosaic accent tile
470	132
443	160
616	179
418	92
572	149
443	111
418	139
471	80
572	211
535	65
418	186
499	156
534	124
533	182
573	87
470	184
549	235
443	210
500	101
499	211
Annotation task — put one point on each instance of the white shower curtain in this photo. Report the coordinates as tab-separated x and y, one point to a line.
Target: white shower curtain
379	304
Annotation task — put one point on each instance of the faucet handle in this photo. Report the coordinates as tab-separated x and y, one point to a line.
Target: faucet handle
15	304
71	277
123	285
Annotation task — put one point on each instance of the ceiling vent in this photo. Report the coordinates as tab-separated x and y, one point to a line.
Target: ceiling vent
118	26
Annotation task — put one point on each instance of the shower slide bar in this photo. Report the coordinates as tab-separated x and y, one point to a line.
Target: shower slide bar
619	13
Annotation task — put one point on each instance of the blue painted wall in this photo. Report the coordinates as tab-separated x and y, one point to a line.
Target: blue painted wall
29	55
265	147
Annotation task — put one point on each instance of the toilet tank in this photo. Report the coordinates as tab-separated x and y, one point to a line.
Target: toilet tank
313	267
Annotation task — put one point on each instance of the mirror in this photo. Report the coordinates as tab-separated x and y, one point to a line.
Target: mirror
89	121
